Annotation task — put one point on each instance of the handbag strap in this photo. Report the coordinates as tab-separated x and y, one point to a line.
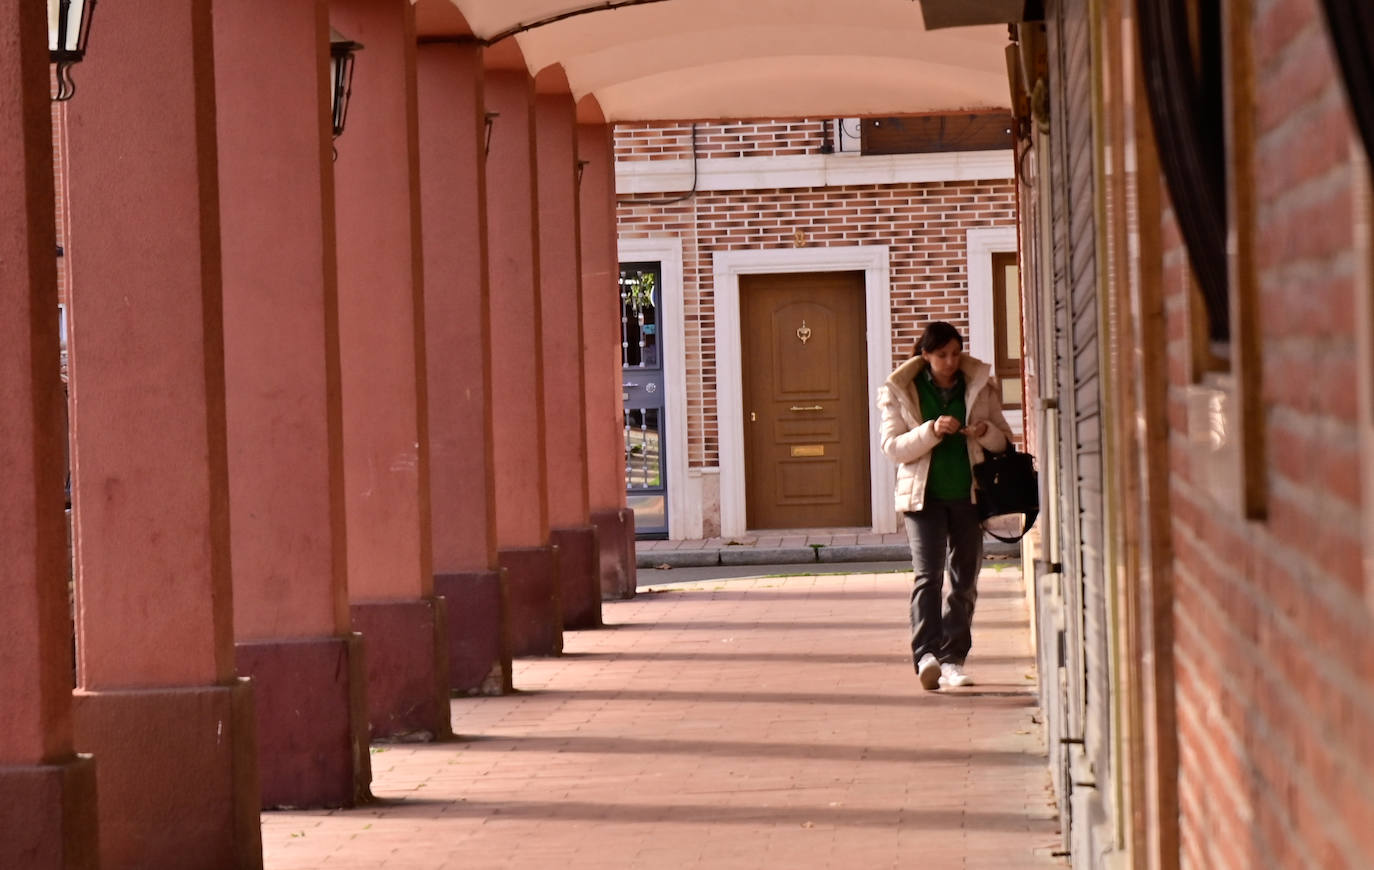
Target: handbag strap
1026	523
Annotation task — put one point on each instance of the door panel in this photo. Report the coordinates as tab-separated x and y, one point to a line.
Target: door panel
646	483
805	400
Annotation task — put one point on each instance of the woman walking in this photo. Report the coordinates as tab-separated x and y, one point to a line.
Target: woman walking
941	410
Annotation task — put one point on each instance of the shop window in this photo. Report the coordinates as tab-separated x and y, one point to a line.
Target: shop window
1181	52
1351	24
1198	77
1006	323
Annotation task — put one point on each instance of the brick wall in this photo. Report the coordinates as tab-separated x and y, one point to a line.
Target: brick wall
673	141
59	118
1275	641
59	121
923	224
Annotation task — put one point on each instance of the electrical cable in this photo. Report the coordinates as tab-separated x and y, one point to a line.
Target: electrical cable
572	13
631	200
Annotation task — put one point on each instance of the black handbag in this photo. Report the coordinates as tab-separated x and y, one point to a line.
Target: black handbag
1007	483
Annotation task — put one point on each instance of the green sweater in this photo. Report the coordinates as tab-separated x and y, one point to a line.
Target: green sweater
950	476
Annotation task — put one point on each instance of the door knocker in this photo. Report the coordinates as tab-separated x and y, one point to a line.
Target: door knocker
804	333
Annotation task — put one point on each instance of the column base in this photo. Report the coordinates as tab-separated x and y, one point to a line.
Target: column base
312	731
615	531
176	775
407	668
579	580
536	616
48	816
478	648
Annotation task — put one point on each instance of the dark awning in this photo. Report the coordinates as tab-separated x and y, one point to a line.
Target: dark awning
966	13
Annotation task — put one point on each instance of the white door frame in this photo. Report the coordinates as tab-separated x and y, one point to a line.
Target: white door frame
979	245
672	349
727	267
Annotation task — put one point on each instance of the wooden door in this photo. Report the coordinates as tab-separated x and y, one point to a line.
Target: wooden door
805	400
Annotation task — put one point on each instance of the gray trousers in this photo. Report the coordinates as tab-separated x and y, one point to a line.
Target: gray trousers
944	532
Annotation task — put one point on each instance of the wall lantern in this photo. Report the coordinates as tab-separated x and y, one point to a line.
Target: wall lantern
341	51
69	26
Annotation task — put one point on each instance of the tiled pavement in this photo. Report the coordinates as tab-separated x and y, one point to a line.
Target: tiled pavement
742	724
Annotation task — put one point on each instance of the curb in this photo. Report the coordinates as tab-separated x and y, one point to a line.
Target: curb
767	556
856	553
677	558
826	554
770	556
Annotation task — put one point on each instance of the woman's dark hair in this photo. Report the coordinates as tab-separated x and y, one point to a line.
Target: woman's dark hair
937	335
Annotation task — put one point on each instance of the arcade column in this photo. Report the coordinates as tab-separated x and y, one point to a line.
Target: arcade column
382	348
453	198
601	333
158	701
560	268
517	360
285	414
48	812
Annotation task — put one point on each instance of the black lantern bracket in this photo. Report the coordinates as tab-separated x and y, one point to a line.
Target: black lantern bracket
69	28
490	121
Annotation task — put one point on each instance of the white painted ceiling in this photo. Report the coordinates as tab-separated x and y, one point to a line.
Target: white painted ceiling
710	59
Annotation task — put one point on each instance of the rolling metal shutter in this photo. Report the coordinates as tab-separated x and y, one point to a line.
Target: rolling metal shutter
1086	728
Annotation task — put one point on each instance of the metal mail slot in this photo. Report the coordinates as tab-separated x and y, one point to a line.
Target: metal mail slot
808	450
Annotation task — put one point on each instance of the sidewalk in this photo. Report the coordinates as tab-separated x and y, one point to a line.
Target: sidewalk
743	724
792	547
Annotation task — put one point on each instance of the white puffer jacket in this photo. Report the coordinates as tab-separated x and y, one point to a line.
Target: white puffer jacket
907	439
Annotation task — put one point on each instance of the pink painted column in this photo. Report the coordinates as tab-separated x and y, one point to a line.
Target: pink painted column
560	269
522	508
453	197
285	424
158	702
48	812
601	334
381	329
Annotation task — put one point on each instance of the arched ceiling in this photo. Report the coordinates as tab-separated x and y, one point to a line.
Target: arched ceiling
701	59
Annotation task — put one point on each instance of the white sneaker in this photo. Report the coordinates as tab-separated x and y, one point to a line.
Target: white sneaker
953	676
928	669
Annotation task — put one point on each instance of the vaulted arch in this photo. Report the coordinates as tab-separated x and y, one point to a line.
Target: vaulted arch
666	59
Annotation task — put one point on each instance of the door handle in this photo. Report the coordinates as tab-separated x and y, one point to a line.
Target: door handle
807	408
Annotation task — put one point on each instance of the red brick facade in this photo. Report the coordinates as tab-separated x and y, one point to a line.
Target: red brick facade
671	141
923	225
1274	637
59	117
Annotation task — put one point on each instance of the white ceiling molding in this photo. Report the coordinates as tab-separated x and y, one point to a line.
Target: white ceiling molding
810	170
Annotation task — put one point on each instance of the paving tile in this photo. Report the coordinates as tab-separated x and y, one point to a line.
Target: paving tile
763	722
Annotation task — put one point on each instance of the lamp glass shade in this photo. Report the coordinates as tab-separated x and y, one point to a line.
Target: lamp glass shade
68	29
341	56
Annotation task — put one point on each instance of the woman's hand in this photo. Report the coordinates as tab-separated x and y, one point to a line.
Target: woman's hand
977	430
947	425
